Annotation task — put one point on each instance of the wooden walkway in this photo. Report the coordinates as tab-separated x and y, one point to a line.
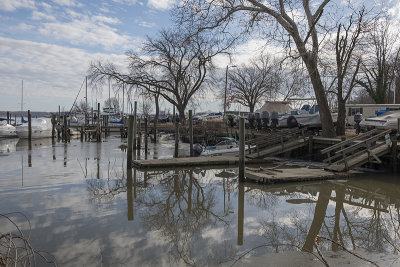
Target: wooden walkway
189	162
279	148
356	152
289	175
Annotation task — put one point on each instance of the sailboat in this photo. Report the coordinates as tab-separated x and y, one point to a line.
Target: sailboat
7	130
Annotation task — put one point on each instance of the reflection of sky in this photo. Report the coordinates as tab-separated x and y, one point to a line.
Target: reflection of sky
83	220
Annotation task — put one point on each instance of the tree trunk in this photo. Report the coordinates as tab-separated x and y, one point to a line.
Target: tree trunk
155	121
328	129
341	120
251	108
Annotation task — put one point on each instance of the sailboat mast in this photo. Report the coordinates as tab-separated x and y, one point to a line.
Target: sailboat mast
22	97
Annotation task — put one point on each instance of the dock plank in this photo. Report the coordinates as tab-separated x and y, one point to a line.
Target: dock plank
188	162
279	148
359	160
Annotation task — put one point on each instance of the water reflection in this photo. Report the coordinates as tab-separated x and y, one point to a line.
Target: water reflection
187	217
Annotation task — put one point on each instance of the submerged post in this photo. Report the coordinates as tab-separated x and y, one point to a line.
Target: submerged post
191	132
130	145
29	125
241	149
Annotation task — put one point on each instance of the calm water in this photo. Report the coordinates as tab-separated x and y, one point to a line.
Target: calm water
87	210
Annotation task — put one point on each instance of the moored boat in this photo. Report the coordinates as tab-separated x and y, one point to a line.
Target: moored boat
41	128
7	130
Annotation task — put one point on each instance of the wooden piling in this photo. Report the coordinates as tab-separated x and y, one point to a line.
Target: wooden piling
145	138
59	115
15	120
98	123
130	140
191	132
29	126
395	151
53	126
310	144
134	129
8	117
241	149
65	130
176	150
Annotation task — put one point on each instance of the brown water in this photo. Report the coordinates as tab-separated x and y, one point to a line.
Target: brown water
86	209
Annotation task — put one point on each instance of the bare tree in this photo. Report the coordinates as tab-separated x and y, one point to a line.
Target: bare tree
297	22
254	82
294	82
112	103
348	38
378	66
81	107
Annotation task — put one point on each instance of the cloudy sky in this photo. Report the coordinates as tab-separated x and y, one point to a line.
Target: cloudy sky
48	44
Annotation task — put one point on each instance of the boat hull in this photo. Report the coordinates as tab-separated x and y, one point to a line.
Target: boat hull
8	131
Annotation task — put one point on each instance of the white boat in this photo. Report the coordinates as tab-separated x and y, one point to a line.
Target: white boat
388	120
227	147
41	127
306	116
7	130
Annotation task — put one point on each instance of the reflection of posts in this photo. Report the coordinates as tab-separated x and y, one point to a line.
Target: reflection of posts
241	149
190	191
319	217
29	153
129	197
240	213
65	154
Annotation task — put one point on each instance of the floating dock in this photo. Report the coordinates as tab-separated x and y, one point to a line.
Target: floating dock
190	162
285	175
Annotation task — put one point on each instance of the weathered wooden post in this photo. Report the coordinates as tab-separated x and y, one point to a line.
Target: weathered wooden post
29	126
395	151
59	115
310	145
145	138
53	126
8	117
130	140
98	123
191	132
91	115
65	138
176	150
134	129
241	149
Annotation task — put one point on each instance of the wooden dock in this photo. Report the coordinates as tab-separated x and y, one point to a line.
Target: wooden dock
190	162
290	175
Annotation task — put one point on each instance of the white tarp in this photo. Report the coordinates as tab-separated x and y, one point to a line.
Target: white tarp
279	106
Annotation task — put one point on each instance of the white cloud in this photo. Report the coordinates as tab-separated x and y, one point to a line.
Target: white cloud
11	5
37	15
23	27
91	31
125	2
51	72
161	4
71	3
105	19
147	24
